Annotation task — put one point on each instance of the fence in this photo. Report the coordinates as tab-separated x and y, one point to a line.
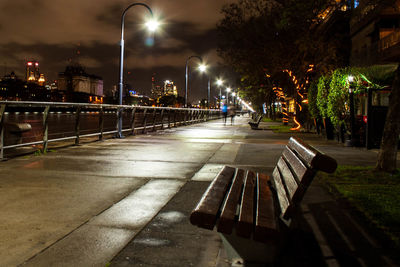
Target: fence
55	122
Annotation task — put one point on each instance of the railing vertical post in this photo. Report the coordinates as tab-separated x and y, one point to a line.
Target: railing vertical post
101	123
117	123
162	119
45	128
77	126
169	118
2	110
154	119
133	121
175	117
185	116
144	120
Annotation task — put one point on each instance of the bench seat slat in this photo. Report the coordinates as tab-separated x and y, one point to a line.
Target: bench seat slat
246	216
227	218
283	200
206	212
266	218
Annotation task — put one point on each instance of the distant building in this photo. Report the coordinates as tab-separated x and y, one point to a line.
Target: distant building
156	90
14	89
78	86
375	33
32	71
170	88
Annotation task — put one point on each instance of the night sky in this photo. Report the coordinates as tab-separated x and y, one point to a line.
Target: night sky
53	31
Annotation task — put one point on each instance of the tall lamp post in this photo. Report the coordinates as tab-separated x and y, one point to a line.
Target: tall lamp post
220	83
202	68
352	119
208	92
152	26
227	96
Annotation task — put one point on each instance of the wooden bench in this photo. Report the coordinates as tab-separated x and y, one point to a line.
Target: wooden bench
255	122
253	211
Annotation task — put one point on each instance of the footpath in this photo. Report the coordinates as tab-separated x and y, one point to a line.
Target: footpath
126	202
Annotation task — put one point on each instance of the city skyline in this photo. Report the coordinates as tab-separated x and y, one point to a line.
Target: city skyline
53	32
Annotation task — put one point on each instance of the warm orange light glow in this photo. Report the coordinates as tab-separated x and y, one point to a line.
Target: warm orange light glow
305	101
298	125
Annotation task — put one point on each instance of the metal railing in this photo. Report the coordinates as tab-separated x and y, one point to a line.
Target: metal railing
55	122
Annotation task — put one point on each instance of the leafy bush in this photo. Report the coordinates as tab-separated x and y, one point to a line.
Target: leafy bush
338	96
322	95
329	95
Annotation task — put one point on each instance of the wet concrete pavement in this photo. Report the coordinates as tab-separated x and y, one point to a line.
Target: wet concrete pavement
127	201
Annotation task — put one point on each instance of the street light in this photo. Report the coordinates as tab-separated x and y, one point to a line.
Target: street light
202	68
152	25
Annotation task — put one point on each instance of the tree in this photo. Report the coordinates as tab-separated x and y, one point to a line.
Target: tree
387	156
262	38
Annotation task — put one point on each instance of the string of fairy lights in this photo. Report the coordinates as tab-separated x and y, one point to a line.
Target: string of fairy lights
301	91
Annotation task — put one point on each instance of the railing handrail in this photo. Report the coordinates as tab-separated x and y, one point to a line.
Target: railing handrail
185	116
88	105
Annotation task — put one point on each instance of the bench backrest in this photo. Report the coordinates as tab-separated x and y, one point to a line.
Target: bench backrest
242	198
294	172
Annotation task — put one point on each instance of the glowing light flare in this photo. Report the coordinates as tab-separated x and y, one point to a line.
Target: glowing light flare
298	125
152	25
300	107
202	68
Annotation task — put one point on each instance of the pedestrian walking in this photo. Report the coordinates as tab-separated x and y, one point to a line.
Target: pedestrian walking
225	113
232	113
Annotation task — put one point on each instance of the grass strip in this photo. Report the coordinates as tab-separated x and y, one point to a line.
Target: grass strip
375	194
281	128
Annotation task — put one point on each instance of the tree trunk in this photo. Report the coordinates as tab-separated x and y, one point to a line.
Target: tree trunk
387	156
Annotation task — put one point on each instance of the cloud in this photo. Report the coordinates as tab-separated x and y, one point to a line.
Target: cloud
60	21
90	62
49	31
